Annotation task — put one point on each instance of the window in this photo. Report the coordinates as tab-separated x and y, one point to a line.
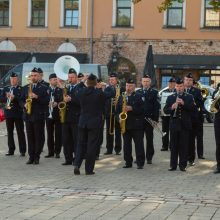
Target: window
174	15
123	13
211	18
71	13
4	13
38	13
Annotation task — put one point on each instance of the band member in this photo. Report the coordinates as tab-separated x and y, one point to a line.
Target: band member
70	125
10	96
92	102
41	80
112	126
35	99
166	118
215	96
151	111
80	77
53	124
131	103
179	106
197	120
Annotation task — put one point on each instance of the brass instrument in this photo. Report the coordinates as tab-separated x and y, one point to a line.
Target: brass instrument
29	100
123	115
155	125
211	104
51	106
62	106
204	91
114	102
8	103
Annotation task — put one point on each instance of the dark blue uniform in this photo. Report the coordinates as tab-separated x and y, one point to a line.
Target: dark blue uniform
35	121
180	127
134	129
151	110
14	117
110	92
54	127
90	123
197	125
70	126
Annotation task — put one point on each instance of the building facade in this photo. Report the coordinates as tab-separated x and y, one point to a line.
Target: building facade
185	38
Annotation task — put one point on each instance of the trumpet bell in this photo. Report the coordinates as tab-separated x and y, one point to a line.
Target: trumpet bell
123	116
63	64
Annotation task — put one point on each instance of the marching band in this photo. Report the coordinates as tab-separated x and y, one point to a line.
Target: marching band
75	112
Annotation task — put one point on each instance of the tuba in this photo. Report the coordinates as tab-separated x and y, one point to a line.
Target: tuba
123	115
211	105
114	102
61	68
204	91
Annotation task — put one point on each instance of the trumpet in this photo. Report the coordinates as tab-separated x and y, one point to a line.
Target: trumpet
155	125
123	115
8	104
29	100
62	106
114	102
51	106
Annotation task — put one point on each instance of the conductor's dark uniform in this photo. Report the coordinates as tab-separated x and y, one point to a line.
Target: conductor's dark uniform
14	117
92	102
180	126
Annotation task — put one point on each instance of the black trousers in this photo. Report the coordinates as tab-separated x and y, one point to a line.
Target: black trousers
137	136
54	136
217	140
149	133
195	134
100	141
179	148
19	124
69	136
34	137
110	138
165	128
86	148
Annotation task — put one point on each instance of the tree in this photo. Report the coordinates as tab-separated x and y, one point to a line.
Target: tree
167	3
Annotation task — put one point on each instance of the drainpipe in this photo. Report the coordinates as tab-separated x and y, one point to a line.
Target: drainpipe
91	31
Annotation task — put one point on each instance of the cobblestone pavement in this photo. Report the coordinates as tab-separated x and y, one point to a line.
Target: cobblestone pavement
51	191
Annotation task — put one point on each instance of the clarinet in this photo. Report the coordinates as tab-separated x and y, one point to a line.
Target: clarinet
174	114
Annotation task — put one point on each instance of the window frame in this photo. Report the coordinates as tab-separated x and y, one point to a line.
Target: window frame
9	15
72	10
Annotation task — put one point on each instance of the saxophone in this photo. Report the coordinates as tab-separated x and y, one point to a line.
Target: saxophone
29	100
62	106
114	102
123	115
213	108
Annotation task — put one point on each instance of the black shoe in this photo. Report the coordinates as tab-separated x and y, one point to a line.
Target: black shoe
9	154
139	167
183	169
216	171
49	155
191	163
107	153
149	162
164	149
57	156
127	166
66	163
76	171
172	169
90	173
22	154
36	162
201	157
30	162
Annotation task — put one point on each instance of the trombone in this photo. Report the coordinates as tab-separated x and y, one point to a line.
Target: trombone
154	124
123	115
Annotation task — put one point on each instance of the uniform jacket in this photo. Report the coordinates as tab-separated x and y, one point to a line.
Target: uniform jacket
16	110
136	116
183	113
151	103
92	103
39	105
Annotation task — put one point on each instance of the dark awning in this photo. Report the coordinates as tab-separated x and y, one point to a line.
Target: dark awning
187	62
13	58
